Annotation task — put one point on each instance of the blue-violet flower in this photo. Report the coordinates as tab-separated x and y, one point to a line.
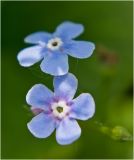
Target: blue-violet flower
59	110
55	48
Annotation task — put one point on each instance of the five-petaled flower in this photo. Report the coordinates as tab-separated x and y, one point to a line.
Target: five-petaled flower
55	48
59	110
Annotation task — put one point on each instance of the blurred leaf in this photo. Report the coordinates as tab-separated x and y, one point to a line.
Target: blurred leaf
118	133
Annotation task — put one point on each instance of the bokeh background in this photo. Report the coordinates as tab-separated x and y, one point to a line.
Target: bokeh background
107	75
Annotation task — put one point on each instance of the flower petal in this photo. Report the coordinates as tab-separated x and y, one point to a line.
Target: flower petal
29	56
83	107
68	30
80	49
37	37
55	64
42	125
68	131
39	96
65	86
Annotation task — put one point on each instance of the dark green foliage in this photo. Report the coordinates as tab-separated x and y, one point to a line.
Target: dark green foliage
107	75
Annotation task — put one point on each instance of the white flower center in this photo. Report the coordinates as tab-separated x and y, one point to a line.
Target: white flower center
60	109
54	43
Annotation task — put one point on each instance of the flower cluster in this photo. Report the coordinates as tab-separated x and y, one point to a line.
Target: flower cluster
57	110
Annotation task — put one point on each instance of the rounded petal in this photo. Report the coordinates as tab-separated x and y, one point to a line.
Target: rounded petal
39	96
68	131
83	107
65	86
42	125
29	56
37	37
68	30
55	64
80	49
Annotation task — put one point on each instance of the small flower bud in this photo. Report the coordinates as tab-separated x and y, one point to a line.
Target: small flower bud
120	133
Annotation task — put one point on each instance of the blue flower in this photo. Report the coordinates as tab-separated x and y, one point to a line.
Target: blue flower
53	49
59	110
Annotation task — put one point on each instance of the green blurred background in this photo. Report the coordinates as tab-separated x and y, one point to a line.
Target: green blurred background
107	75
